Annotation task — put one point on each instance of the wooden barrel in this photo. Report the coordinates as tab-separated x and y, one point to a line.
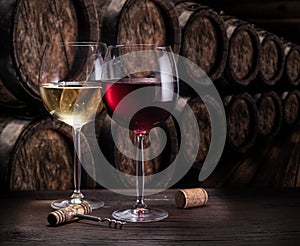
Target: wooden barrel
272	163
204	39
26	26
280	167
242	127
272	58
243	52
270	113
292	65
35	154
138	22
239	170
121	160
291	107
199	111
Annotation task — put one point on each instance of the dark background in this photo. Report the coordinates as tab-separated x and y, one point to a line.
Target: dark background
282	17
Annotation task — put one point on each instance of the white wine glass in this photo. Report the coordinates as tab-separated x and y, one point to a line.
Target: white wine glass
70	92
140	90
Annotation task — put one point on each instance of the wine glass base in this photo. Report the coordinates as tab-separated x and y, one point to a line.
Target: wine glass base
58	204
140	214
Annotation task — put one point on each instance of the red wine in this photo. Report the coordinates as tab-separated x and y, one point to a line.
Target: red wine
142	109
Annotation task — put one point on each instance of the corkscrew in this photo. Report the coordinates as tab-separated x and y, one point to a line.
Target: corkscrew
79	211
98	219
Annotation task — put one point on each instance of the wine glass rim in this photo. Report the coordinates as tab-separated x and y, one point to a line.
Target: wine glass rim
79	84
79	43
139	45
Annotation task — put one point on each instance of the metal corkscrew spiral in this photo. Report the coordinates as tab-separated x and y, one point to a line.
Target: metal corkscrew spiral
117	223
79	211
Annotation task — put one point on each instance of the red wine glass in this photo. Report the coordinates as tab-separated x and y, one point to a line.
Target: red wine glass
140	89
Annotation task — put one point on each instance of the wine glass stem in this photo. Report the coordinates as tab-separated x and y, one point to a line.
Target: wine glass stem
140	178
77	195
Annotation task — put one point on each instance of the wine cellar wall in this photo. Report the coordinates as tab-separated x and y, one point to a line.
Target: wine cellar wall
255	70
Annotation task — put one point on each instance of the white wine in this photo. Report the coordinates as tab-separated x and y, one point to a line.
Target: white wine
74	103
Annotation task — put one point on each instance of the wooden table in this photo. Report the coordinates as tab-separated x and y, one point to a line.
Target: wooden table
230	217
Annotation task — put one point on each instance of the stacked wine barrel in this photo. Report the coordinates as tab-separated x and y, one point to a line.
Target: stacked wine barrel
256	73
259	87
36	151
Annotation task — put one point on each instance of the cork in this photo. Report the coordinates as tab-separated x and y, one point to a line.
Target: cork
67	214
188	198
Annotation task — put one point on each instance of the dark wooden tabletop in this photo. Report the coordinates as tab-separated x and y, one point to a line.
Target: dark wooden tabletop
231	217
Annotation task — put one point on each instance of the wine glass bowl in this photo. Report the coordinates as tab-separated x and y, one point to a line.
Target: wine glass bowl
70	92
140	90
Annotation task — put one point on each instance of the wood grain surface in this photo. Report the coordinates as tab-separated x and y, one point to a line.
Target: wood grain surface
234	217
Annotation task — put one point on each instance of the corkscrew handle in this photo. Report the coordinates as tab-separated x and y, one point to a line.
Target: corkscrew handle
98	219
76	212
67	214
